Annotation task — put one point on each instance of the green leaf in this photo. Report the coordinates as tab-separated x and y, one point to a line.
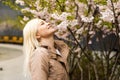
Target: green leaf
70	17
58	22
96	19
103	2
86	12
77	26
83	1
115	0
109	24
62	1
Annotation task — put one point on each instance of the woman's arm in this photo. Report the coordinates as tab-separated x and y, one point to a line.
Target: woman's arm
39	65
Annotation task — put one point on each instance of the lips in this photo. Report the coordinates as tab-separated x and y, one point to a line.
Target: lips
55	28
49	27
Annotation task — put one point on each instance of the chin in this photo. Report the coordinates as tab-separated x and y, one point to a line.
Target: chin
55	30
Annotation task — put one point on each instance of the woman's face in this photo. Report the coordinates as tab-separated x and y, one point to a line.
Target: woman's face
45	29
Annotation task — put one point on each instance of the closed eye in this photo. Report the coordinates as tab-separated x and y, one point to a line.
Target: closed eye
42	23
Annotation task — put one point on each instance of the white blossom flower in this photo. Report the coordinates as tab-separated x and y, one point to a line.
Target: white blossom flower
77	50
109	4
74	22
102	8
55	16
89	42
79	31
27	9
87	19
37	5
99	23
117	5
103	36
34	12
44	14
91	32
22	22
67	2
63	25
25	18
119	34
61	17
107	15
82	8
64	15
21	2
118	19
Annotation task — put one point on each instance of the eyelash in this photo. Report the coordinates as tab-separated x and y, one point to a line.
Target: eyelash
42	23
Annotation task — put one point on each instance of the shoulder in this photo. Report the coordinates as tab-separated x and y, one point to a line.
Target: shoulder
40	52
39	59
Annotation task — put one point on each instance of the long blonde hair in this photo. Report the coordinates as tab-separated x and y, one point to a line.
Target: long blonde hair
30	42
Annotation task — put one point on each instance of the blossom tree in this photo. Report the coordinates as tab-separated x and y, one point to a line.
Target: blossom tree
82	24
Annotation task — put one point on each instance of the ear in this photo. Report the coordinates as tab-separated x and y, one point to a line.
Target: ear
37	36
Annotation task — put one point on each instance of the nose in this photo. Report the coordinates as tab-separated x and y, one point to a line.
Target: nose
48	24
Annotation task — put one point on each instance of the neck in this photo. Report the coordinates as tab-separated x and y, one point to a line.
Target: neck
49	41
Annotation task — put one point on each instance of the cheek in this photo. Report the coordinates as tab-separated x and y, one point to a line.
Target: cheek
44	33
41	30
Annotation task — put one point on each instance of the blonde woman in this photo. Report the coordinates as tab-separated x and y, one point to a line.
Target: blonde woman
45	58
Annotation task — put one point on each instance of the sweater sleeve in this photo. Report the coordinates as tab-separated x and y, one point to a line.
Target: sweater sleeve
39	65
